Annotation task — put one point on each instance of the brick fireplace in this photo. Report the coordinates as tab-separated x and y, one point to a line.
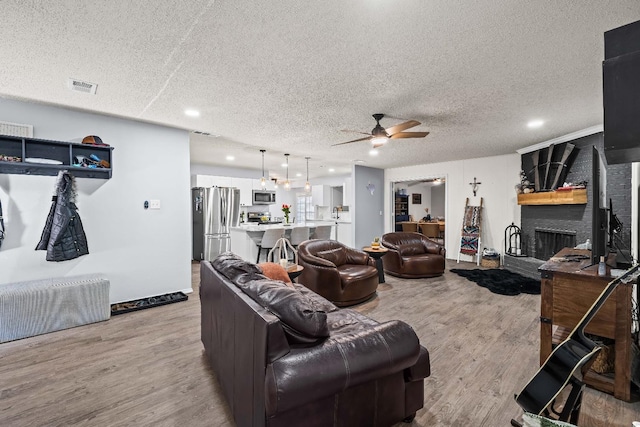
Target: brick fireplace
548	228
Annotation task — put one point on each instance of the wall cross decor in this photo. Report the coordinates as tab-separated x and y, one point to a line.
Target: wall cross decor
474	186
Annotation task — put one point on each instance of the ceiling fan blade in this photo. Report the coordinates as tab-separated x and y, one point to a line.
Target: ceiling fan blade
355	140
409	135
354	131
402	126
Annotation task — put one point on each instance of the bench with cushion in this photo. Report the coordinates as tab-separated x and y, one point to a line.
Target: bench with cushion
39	306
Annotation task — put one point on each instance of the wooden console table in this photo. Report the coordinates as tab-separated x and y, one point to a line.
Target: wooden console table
569	289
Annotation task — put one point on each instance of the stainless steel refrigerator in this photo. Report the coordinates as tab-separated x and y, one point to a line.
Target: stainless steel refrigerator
214	210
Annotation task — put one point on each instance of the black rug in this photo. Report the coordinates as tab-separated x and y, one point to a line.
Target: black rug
503	282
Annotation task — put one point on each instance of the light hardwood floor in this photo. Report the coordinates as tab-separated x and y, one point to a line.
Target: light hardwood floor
147	368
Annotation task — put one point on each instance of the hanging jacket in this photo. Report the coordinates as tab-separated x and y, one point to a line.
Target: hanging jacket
63	236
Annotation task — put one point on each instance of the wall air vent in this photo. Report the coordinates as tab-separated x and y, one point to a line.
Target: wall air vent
80	86
16	129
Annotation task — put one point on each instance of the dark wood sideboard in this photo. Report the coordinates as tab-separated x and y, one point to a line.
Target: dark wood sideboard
569	289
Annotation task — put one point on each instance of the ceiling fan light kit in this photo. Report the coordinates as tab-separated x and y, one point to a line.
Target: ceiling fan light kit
379	135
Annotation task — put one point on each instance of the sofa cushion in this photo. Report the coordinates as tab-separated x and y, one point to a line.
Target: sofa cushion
235	268
336	256
303	320
274	271
409	249
318	301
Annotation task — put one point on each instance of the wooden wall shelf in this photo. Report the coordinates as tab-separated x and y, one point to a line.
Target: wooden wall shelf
569	197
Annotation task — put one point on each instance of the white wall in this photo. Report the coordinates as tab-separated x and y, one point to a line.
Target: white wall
142	252
438	199
200	169
498	175
417	210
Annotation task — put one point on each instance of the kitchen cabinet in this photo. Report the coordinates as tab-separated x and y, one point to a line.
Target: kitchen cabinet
321	195
245	185
222	181
30	156
210	181
347	193
344	235
201	181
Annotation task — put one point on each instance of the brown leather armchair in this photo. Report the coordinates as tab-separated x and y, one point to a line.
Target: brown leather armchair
412	255
343	275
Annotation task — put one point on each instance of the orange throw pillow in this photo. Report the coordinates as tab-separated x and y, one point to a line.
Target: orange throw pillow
274	271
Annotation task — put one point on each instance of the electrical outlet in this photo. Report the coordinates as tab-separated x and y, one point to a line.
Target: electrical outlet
154	204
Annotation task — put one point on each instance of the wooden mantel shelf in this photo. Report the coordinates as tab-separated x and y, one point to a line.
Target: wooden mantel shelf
569	197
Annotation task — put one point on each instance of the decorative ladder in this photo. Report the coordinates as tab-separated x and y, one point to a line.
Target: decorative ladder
471	237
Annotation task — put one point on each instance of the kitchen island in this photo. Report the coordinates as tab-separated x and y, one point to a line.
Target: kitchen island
246	236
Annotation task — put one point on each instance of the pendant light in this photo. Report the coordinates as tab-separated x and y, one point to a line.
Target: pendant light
287	184
307	186
263	180
275	183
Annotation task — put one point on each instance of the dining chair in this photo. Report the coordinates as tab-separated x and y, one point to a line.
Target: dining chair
409	227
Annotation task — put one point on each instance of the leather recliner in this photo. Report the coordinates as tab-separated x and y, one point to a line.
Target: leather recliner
412	255
343	275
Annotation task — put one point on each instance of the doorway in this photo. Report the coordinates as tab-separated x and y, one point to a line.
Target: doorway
420	200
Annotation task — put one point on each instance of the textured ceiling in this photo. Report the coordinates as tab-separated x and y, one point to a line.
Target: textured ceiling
288	76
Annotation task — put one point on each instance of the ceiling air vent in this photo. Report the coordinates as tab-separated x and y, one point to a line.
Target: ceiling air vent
16	129
80	86
199	132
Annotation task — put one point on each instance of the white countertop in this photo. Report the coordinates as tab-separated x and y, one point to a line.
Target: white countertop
334	221
254	227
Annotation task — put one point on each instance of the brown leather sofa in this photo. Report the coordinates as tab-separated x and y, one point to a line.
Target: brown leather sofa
343	275
412	255
285	356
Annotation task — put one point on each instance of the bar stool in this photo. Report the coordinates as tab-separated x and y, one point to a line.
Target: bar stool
299	235
269	239
322	232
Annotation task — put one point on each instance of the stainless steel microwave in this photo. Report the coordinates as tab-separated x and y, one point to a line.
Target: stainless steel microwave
263	197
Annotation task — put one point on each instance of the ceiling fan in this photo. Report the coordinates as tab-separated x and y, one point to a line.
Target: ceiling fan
379	135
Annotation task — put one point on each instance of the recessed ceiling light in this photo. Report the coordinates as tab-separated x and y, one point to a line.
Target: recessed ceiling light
284	165
231	158
358	161
332	170
192	113
535	124
298	174
373	152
